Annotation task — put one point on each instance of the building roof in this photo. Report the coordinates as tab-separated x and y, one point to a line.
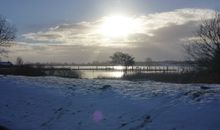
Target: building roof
3	63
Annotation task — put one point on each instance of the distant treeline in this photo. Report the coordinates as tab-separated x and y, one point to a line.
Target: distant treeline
38	70
108	63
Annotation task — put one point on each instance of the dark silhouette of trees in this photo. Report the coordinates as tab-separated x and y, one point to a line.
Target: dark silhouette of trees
124	59
204	49
7	33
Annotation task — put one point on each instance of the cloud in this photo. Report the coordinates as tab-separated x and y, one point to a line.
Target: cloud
85	33
160	37
157	21
61	53
49	37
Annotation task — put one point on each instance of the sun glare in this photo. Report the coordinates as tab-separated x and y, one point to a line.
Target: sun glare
118	26
118	74
119	67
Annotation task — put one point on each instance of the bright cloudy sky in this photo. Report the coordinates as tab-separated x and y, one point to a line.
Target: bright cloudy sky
92	30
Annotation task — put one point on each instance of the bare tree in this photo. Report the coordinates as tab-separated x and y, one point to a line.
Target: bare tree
124	59
149	61
19	61
7	33
204	49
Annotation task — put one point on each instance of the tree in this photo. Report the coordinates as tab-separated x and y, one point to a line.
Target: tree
149	61
19	61
204	49
124	59
7	33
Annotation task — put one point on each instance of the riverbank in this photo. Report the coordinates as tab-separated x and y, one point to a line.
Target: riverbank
167	77
183	78
39	71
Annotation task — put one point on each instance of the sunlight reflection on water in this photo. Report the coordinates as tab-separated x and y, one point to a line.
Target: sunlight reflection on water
93	72
90	74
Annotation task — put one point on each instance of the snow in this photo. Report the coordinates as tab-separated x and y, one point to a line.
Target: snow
52	103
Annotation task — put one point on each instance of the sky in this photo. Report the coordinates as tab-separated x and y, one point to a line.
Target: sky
84	31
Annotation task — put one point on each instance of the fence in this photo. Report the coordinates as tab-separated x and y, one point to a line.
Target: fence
153	69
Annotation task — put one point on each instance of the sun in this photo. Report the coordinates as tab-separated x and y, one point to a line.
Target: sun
118	26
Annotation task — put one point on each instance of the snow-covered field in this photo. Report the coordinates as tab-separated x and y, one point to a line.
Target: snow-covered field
52	103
